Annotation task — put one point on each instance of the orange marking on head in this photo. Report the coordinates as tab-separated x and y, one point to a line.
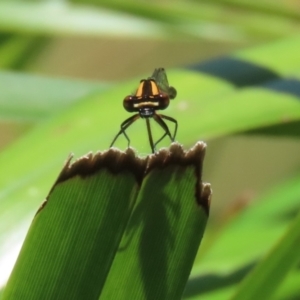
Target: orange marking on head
154	88
139	92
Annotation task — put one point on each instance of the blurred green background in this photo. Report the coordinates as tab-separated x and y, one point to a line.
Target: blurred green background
55	54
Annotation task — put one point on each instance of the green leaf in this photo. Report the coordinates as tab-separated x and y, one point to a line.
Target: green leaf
42	96
266	6
17	50
207	105
74	238
162	237
241	243
58	18
75	231
197	19
265	279
209	21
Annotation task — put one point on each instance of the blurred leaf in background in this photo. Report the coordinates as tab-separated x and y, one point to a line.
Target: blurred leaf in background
97	44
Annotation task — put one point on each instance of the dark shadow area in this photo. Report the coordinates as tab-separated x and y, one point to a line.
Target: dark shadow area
289	129
151	215
211	282
238	72
284	85
287	215
242	74
295	296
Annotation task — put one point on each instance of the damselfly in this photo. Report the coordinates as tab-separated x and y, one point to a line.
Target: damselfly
152	94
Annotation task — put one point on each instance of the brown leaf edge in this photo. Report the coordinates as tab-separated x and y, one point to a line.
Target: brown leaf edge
117	161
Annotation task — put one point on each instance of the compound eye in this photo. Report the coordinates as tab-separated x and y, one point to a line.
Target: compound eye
172	92
128	103
163	101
